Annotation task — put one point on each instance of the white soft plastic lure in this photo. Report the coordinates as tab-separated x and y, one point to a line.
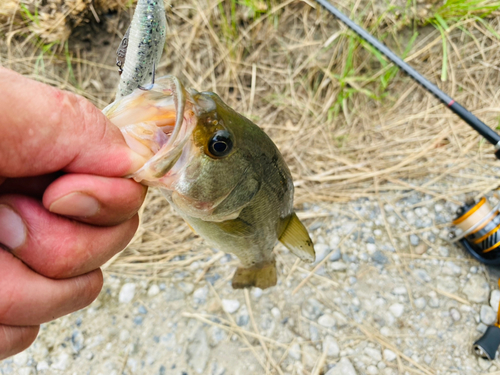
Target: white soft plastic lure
141	48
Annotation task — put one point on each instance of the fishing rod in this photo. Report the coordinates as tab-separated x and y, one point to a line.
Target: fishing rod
478	222
479	126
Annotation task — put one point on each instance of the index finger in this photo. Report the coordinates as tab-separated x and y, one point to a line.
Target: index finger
45	130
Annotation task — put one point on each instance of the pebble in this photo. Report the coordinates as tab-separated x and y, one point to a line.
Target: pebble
336	255
372	370
276	312
62	362
373	353
198	351
230	305
42	366
337	266
153	290
256	292
343	367
389	355
379	257
322	250
327	321
312	309
455	314
200	295
495	299
420	303
420	249
127	293
481	327
397	309
77	341
484	364
399	290
477	289
294	352
488	315
414	240
21	359
331	347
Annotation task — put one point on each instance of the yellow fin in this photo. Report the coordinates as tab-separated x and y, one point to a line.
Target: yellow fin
260	276
236	227
297	240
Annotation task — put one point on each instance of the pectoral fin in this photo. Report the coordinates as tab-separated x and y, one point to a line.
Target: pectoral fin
260	276
297	240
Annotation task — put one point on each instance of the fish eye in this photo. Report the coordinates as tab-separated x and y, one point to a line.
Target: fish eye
220	144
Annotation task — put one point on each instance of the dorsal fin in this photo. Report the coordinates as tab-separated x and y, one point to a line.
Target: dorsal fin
297	240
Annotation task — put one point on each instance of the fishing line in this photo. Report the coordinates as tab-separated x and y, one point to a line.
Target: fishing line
478	222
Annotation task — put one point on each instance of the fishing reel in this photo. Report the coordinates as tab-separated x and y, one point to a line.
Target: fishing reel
480	236
480	230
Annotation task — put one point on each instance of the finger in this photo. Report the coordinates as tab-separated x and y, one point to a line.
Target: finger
55	246
28	298
14	340
31	186
45	130
93	199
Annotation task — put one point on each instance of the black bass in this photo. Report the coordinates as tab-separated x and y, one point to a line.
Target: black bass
219	171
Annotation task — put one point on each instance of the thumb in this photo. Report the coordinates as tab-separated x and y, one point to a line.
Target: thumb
45	130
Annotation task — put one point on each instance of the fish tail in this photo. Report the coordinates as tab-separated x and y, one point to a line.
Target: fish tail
262	275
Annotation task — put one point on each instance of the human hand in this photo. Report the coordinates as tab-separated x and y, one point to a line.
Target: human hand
64	210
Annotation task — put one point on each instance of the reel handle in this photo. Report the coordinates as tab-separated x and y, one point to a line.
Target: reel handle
486	347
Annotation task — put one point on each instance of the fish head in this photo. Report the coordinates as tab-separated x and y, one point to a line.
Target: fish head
197	147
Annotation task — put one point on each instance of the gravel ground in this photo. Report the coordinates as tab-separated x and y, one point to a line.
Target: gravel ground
389	295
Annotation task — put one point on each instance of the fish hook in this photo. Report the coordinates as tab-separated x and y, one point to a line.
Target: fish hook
150	86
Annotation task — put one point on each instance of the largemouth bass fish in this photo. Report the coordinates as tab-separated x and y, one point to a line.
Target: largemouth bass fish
219	171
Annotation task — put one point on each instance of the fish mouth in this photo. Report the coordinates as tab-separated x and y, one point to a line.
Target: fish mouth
157	123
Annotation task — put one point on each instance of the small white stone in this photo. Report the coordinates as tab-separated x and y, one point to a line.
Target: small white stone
484	364
200	295
127	293
21	359
294	352
373	353
153	290
343	367
400	290
397	309
326	321
42	366
371	370
124	335
455	314
256	292
495	299
62	362
488	315
276	312
420	303
389	355
230	305
331	347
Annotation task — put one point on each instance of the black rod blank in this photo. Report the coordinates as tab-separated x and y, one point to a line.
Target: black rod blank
479	126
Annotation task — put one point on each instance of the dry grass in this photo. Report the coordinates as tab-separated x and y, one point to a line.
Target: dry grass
347	123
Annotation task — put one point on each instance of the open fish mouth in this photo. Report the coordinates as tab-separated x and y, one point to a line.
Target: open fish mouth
156	123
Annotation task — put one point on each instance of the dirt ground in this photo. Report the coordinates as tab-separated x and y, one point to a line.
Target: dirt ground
379	165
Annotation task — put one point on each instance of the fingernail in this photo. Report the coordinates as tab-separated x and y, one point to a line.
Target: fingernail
12	228
76	205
